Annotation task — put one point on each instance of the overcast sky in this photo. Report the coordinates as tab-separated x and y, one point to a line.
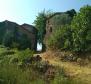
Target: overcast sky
25	11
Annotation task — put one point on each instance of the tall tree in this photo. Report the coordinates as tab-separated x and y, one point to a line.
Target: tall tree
40	24
81	27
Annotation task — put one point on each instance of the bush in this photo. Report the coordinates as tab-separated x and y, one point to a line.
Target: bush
11	73
20	57
61	38
39	72
76	37
81	27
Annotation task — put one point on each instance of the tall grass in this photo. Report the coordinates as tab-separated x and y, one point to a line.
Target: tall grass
12	73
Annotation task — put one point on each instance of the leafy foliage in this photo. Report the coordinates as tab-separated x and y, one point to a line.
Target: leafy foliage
40	24
12	73
76	37
61	38
81	27
71	13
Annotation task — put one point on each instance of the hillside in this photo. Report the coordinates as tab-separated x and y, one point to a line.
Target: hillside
72	70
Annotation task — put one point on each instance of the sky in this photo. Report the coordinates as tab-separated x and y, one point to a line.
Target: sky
25	11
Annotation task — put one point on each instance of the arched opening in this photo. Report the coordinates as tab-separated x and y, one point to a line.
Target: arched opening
39	46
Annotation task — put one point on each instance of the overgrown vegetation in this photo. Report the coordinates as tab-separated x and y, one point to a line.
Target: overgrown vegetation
81	28
40	24
61	38
16	68
75	37
22	67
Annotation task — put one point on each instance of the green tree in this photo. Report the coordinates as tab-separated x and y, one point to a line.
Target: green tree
40	24
81	27
71	13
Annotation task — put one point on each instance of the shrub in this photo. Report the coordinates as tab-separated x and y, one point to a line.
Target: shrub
76	37
21	56
81	27
61	38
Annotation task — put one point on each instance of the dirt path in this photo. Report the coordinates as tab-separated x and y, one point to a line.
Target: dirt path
71	69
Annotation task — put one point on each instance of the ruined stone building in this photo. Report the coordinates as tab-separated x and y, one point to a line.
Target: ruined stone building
58	19
31	31
25	35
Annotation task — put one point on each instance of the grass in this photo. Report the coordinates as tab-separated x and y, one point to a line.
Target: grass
65	73
72	70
